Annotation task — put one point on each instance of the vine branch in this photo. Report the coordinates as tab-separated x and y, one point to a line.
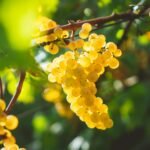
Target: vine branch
1	89
130	15
17	93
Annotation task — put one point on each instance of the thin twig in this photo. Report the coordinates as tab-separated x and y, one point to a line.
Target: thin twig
17	93
1	89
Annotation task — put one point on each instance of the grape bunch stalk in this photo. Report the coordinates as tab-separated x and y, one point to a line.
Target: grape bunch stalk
78	68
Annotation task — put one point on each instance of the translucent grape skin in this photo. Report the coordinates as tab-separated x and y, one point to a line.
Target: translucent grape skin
78	70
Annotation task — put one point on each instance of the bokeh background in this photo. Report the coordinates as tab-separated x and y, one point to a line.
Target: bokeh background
46	123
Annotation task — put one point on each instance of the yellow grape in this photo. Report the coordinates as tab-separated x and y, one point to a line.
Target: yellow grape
113	63
92	77
72	45
11	122
52	48
95	117
2	104
117	53
83	34
92	36
111	46
51	24
65	34
84	61
79	43
9	141
87	27
13	147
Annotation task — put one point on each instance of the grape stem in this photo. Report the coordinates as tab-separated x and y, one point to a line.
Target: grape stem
1	89
98	22
17	93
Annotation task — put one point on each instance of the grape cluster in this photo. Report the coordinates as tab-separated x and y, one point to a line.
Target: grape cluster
78	69
7	123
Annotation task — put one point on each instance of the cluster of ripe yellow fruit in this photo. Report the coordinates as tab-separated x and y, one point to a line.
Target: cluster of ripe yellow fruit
79	68
7	123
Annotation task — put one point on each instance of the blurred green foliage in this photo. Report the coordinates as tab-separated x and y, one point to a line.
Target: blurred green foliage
125	90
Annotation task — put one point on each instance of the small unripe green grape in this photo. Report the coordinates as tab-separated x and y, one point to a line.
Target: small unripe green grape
52	48
87	27
11	122
113	63
83	34
2	104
